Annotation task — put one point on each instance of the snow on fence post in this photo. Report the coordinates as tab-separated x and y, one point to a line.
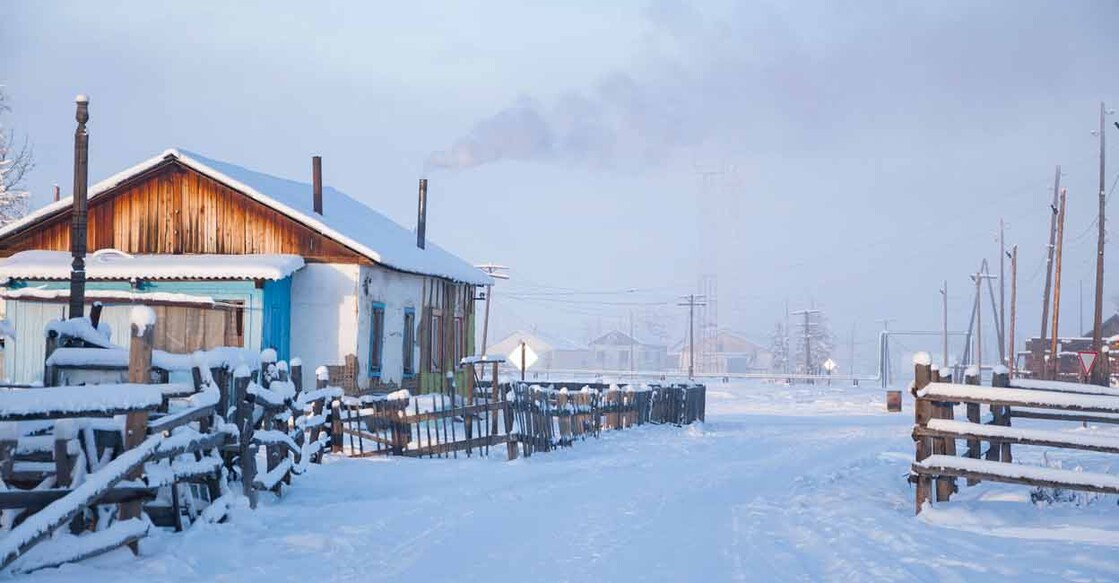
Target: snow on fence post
1000	450
971	377
922	412
136	423
244	416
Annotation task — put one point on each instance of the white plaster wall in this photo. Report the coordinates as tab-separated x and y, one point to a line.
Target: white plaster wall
324	315
396	291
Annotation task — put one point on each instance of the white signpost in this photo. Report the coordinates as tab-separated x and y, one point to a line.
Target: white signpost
522	358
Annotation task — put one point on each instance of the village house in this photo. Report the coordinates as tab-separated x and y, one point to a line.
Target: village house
553	353
725	353
230	256
616	350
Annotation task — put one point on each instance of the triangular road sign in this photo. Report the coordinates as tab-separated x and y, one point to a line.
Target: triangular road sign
1087	360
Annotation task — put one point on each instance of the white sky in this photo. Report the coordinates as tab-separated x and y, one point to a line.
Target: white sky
867	150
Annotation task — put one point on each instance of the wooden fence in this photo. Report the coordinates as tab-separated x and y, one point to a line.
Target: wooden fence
536	419
548	417
937	433
74	479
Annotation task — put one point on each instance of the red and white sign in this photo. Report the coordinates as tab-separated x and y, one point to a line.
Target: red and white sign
1087	361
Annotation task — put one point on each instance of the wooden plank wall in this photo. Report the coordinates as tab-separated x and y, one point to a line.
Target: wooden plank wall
174	210
450	300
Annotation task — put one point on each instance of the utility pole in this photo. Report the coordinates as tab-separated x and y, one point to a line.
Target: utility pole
884	352
1053	356
1002	291
1097	322
691	300
1049	261
944	322
978	279
851	366
1013	305
807	338
79	210
494	271
632	342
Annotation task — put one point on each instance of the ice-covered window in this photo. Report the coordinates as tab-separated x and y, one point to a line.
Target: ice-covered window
234	323
460	340
409	341
376	339
435	342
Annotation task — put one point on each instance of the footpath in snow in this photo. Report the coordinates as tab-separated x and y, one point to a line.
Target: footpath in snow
781	484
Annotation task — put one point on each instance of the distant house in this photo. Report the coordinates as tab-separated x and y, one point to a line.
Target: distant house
552	353
231	256
727	352
1035	358
616	350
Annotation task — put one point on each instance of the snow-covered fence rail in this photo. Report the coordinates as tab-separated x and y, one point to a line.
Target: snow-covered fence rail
935	432
548	416
161	455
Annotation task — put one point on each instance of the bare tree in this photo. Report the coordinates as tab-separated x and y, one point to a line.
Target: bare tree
16	160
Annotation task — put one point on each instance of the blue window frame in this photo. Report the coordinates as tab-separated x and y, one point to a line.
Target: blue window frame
376	339
409	348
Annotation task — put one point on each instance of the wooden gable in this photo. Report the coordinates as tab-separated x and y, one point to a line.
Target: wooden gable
173	209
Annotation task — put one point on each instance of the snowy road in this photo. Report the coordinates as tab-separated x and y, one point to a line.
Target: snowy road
781	484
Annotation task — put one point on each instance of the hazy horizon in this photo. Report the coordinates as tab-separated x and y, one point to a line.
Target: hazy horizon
611	155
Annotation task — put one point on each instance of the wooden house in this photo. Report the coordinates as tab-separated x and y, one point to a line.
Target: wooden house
237	257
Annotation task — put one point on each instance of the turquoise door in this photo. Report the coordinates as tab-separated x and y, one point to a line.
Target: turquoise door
277	317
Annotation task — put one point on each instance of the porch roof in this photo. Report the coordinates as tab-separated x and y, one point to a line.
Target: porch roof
112	264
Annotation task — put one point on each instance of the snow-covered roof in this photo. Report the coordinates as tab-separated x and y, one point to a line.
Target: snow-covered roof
344	219
110	296
113	264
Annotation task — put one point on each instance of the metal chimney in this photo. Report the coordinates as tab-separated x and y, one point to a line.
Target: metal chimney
316	182
79	211
421	221
57	193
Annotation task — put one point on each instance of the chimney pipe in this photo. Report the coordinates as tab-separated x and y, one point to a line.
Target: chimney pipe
316	182
79	211
421	222
57	193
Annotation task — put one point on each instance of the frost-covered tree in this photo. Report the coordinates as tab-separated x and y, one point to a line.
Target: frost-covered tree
15	162
779	348
816	336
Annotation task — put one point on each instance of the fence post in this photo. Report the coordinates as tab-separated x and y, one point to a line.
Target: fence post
244	415
922	412
1000	450
971	377
136	423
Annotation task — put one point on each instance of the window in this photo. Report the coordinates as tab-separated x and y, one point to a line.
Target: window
460	340
435	342
234	323
376	339
409	342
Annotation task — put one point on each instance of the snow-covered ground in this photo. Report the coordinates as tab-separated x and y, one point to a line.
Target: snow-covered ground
782	483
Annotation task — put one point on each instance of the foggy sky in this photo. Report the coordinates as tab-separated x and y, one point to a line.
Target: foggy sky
851	157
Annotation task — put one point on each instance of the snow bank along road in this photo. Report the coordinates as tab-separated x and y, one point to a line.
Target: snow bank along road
781	484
